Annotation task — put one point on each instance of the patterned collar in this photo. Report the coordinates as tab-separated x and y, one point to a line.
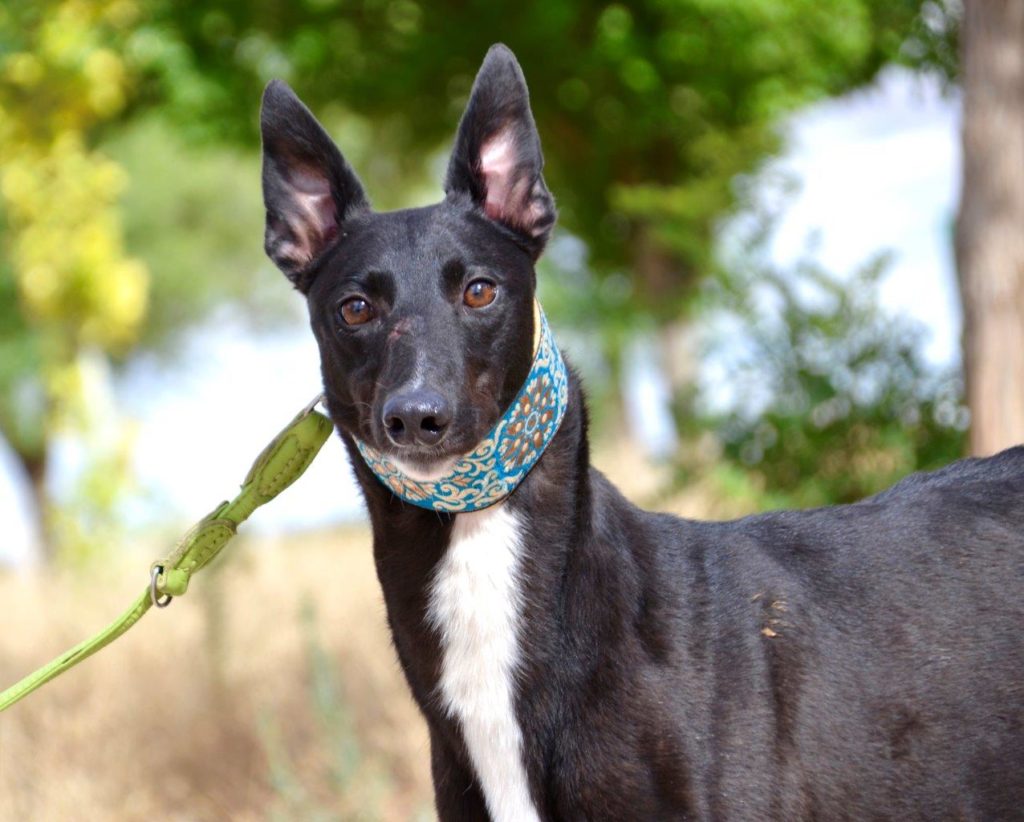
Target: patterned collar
505	456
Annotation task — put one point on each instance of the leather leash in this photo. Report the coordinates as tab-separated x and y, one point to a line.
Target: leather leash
279	464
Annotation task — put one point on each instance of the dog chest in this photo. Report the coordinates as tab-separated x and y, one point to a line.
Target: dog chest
476	608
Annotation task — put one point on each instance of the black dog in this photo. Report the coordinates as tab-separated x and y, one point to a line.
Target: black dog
577	658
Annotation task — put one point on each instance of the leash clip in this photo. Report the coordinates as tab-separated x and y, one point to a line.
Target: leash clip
158	601
319	398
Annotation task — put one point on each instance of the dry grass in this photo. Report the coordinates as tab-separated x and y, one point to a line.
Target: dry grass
270	691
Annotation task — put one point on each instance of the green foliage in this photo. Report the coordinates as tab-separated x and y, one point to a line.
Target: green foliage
829	399
21	396
194	214
647	110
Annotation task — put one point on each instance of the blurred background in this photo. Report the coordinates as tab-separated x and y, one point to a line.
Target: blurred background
789	263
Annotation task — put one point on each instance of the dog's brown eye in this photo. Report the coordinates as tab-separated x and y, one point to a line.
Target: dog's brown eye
356	311
480	293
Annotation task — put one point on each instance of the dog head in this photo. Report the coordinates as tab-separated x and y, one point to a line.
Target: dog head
424	317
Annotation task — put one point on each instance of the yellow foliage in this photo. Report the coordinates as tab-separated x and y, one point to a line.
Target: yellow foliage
23	69
63	238
105	72
67	247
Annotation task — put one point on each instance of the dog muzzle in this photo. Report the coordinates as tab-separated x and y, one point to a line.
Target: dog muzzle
503	458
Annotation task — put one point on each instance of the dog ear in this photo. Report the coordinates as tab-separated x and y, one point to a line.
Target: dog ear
308	188
497	158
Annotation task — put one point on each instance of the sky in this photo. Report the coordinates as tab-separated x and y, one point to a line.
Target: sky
880	170
877	170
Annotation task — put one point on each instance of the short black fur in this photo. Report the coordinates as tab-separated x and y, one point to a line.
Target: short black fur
856	662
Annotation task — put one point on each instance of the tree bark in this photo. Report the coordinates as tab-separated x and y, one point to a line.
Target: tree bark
990	224
660	279
35	470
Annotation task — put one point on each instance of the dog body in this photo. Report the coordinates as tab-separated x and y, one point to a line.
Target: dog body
578	658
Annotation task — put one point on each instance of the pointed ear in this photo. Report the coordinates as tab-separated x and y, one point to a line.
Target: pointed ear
308	188
497	158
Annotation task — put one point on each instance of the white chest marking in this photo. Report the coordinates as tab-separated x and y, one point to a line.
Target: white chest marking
476	606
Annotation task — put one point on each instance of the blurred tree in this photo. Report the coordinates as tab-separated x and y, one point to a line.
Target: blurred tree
69	287
194	214
648	110
826	397
73	298
990	225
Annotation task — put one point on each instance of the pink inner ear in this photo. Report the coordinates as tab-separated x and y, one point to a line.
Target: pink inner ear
497	165
314	219
511	195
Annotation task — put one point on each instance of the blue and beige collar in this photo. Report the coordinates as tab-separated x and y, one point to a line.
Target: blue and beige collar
505	456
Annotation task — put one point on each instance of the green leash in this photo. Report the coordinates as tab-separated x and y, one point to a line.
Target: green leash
278	466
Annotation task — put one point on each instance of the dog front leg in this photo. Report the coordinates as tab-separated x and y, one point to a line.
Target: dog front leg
457	794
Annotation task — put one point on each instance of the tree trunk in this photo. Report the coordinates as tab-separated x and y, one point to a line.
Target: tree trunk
990	225
35	470
658	280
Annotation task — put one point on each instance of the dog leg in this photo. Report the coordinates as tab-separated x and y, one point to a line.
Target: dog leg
456	792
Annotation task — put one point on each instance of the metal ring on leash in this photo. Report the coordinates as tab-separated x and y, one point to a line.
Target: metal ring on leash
319	398
158	601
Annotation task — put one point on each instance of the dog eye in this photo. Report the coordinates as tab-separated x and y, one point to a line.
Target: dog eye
356	311
480	293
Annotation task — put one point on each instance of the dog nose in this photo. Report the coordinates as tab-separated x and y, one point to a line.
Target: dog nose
417	417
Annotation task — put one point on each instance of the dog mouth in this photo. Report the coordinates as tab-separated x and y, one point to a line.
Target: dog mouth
423	468
429	463
432	460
